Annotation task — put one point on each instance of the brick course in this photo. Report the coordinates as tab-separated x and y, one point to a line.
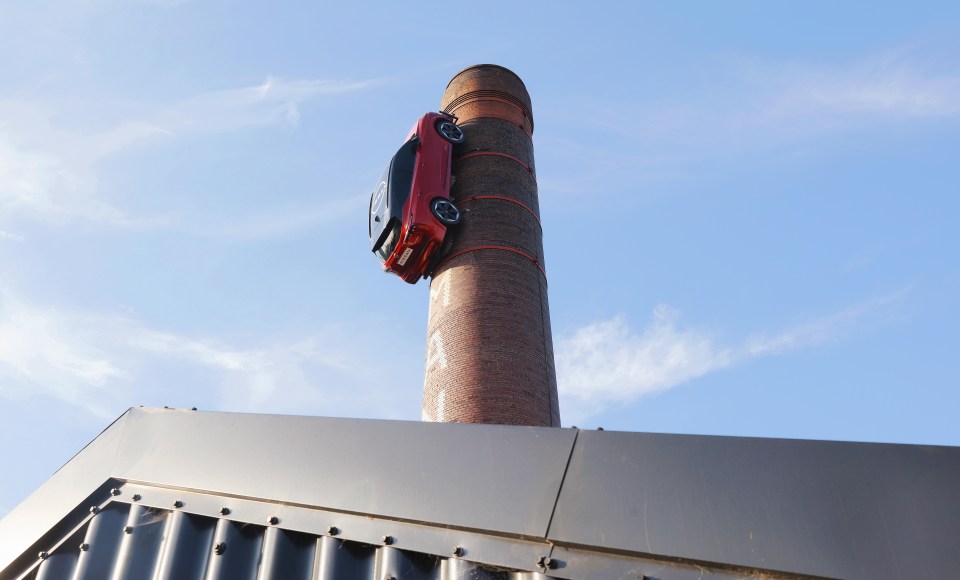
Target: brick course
489	347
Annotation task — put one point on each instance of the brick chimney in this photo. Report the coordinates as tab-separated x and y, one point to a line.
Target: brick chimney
489	347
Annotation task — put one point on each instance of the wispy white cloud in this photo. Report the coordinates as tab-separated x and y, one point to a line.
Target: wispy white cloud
160	3
606	362
280	222
89	5
877	87
5	235
40	183
742	106
103	363
822	330
50	172
272	102
41	350
786	100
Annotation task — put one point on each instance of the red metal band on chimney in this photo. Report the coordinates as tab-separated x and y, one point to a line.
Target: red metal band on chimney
504	248
496	153
501	198
509	119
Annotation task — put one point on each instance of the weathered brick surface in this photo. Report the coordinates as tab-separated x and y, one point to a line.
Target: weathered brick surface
489	348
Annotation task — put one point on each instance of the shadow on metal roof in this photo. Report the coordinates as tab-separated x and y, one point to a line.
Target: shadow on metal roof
165	493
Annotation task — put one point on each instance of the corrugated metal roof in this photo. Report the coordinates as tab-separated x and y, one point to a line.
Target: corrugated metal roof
130	541
300	497
143	532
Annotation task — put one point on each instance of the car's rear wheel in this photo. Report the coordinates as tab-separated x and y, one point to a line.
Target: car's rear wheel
445	211
449	131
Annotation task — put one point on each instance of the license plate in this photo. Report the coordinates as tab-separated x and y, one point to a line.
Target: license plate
404	256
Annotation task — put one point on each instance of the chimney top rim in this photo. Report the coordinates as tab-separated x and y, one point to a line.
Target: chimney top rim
503	68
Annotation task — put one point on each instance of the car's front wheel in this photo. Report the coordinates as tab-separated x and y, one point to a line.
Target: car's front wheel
445	211
449	131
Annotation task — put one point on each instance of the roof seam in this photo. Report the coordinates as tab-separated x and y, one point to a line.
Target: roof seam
556	500
121	442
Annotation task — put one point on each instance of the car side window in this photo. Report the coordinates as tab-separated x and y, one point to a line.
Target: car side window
401	175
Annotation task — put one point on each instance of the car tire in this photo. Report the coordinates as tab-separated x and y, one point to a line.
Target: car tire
445	212
450	131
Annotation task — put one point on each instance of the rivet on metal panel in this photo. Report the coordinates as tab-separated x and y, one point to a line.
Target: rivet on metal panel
333	530
224	511
220	548
387	540
128	529
178	504
43	555
545	562
137	497
114	491
84	547
94	509
274	520
458	551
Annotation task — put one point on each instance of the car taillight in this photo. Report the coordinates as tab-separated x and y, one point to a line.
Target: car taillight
413	237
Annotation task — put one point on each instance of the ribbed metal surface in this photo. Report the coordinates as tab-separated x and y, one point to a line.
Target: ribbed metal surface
129	542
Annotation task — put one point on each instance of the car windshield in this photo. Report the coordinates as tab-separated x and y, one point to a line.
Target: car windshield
401	174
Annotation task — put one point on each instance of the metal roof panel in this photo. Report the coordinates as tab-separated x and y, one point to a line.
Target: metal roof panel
486	477
288	497
844	510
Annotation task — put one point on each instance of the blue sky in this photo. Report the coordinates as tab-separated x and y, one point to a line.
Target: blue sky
750	212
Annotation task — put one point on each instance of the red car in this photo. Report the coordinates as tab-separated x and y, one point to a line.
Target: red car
410	209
